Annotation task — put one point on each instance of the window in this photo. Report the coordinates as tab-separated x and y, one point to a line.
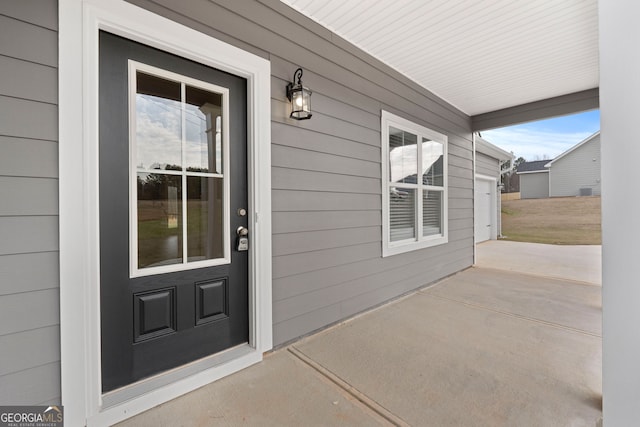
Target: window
414	186
179	189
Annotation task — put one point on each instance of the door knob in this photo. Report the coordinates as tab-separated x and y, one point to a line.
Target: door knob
242	243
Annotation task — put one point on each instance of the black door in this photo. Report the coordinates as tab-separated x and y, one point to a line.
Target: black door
173	196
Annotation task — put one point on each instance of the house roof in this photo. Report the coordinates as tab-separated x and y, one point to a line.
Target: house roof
485	147
578	145
531	167
478	55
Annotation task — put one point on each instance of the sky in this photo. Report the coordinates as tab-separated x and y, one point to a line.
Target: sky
545	139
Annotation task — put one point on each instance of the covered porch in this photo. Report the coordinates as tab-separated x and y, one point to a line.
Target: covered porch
502	343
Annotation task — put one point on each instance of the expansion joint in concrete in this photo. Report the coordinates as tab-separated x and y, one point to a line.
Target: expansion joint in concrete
348	388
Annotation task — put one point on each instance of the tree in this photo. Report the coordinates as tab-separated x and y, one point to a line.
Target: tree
509	178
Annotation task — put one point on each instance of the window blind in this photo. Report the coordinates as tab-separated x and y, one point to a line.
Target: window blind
402	213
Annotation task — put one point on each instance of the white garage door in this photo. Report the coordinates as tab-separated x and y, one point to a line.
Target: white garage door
484	218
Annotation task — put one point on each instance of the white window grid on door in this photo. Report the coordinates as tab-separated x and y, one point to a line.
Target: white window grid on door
134	269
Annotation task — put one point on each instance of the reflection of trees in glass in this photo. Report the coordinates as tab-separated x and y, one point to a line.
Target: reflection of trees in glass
159	219
154	186
151	187
194	169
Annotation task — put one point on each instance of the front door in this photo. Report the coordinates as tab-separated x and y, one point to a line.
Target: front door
173	200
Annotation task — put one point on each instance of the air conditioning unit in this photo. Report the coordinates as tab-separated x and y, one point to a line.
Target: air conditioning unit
587	191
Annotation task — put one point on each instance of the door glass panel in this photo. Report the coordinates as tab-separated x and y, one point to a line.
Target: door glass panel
205	218
203	128
158	123
403	156
159	219
402	218
432	162
181	172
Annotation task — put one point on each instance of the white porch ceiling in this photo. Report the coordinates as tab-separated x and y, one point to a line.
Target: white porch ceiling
479	55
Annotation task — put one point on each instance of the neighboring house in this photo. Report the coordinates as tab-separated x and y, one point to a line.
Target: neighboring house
487	204
534	179
576	172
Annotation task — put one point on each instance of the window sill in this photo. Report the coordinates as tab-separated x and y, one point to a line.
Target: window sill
402	247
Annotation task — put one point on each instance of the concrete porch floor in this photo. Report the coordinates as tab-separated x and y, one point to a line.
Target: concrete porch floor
490	346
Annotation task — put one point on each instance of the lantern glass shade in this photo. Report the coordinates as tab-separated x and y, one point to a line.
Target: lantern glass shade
300	98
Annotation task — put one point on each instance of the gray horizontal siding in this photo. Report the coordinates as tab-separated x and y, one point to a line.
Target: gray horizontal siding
28	196
305	282
41	312
326	296
298	179
30	365
28	157
29	269
33	386
303	200
284	266
578	169
316	319
18	119
486	165
32	348
309	241
24	40
28	272
26	234
297	137
28	80
295	158
292	222
37	12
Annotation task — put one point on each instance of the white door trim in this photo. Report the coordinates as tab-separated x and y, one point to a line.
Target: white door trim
79	23
493	234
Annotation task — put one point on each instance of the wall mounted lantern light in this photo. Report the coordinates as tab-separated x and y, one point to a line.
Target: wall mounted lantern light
300	98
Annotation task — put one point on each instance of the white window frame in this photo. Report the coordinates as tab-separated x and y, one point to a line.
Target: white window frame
134	269
419	242
79	24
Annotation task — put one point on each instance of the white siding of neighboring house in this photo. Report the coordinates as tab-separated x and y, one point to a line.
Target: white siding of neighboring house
534	185
578	169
